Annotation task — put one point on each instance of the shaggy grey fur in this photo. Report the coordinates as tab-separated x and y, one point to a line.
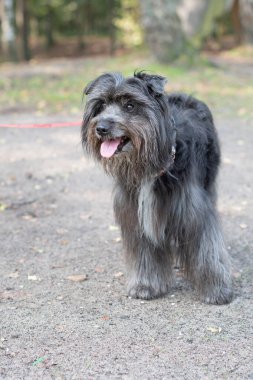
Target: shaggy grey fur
165	205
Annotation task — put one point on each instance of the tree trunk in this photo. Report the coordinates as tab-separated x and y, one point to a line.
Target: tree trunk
8	30
22	18
246	17
26	47
173	28
49	27
236	21
111	26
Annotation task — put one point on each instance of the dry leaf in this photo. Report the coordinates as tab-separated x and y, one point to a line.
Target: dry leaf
85	216
2	206
13	294
32	278
241	111
214	330
13	275
113	228
64	242
227	160
61	231
38	250
77	277
118	274
99	270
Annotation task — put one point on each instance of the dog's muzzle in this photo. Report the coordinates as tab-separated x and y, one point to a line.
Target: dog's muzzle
111	142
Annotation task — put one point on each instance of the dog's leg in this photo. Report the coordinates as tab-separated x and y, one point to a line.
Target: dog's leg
150	270
149	264
204	256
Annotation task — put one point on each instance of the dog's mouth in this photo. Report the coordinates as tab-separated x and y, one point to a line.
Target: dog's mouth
108	148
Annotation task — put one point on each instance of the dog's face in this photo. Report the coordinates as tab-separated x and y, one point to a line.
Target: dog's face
124	121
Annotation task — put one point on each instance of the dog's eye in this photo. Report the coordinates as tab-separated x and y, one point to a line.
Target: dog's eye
129	107
103	105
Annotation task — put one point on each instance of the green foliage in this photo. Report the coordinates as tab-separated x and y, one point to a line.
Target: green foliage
127	23
67	15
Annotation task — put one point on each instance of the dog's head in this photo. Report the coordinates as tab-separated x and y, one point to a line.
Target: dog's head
126	123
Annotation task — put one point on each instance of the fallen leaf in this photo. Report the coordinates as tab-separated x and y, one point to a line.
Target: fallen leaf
13	274
64	242
113	228
118	274
99	270
105	318
85	216
61	231
38	250
41	104
57	266
30	216
78	277
227	160
241	111
214	330
2	206
32	278
13	294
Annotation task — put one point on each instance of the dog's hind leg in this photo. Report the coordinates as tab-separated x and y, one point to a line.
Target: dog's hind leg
205	259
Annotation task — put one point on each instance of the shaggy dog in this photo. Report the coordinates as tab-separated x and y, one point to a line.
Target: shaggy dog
163	152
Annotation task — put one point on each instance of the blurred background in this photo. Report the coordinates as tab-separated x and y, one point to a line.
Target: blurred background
170	28
68	42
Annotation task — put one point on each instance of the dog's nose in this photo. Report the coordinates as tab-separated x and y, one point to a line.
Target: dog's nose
104	127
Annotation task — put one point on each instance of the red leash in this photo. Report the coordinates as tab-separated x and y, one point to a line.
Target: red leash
44	125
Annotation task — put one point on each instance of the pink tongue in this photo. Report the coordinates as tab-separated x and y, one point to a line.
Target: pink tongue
109	147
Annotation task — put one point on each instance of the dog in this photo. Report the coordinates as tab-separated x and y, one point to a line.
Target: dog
163	153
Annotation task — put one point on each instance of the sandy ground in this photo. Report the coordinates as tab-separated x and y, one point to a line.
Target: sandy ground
56	221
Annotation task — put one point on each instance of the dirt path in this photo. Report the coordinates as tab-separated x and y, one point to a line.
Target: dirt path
56	221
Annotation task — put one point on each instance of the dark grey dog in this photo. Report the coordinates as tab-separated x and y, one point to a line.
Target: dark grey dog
163	153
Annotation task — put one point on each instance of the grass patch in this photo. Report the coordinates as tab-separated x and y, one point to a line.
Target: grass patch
50	92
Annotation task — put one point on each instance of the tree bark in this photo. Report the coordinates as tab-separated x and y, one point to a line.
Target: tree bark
22	19
49	27
111	26
8	30
173	28
246	17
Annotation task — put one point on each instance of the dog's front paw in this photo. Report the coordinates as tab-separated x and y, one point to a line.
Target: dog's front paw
144	292
220	297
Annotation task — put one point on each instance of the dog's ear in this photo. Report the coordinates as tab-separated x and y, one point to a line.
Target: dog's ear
155	83
90	86
104	81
